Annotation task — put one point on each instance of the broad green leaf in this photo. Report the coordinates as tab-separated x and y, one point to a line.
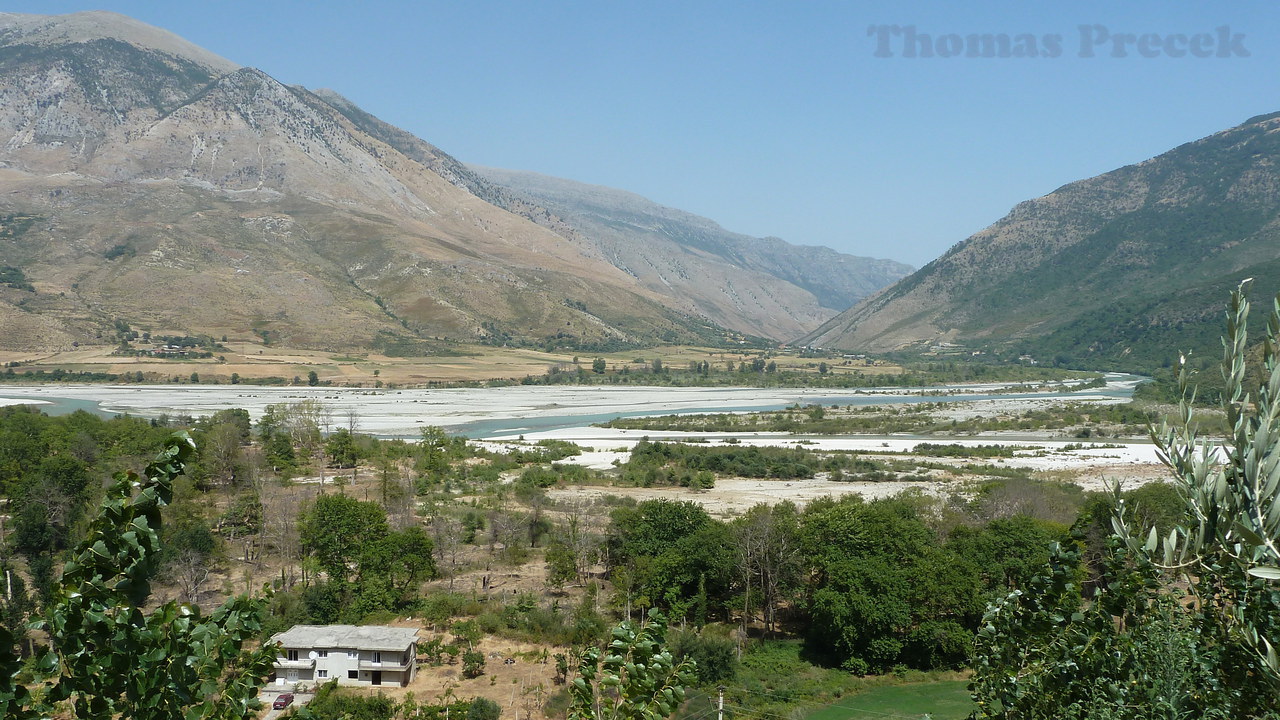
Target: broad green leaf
1265	571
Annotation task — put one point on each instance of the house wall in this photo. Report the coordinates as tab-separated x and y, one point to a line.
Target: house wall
292	676
338	663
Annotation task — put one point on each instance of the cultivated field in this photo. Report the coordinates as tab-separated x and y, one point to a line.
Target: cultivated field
458	364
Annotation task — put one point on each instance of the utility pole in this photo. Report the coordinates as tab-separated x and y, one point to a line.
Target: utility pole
720	705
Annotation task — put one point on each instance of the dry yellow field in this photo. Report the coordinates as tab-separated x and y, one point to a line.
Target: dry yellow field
470	363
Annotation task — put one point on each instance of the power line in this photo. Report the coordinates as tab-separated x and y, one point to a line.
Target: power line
705	714
738	710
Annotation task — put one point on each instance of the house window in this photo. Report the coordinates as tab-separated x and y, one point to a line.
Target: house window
353	654
353	674
291	655
377	656
322	674
322	653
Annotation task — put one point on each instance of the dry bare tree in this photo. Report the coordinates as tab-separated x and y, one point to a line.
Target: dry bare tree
583	540
280	508
222	452
352	417
768	556
189	570
446	533
307	421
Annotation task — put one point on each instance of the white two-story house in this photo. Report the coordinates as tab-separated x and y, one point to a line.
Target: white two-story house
354	655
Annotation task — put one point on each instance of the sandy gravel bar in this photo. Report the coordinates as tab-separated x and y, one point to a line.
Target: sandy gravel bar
485	412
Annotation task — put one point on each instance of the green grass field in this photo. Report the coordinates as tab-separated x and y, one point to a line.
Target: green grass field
947	700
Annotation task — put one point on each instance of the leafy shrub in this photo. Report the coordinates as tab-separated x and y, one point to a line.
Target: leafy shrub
472	664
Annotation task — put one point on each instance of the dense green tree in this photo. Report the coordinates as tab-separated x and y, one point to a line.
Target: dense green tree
1158	505
884	592
22	443
562	566
483	709
341	449
652	526
324	602
236	417
663	551
472	664
696	568
473	522
337	530
188	532
49	503
403	558
1007	552
714	655
278	451
370	568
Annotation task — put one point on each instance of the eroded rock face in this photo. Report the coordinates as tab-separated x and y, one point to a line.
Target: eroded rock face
144	179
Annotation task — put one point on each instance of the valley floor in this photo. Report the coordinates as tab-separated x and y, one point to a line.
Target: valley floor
515	410
1092	466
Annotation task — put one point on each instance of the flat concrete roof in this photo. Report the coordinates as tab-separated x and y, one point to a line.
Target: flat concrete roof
359	637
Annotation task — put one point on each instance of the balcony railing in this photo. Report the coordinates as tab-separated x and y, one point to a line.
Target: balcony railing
300	663
392	665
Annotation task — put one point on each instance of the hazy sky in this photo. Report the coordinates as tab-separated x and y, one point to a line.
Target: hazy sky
772	118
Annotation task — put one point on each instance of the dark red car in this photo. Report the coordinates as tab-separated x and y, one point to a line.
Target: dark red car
283	701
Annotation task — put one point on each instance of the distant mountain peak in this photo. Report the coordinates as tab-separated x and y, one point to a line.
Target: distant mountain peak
147	182
779	289
91	25
1265	117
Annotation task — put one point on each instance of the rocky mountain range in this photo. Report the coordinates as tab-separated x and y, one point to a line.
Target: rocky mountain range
1120	270
149	183
761	285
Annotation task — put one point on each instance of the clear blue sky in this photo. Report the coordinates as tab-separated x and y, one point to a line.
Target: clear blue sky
772	118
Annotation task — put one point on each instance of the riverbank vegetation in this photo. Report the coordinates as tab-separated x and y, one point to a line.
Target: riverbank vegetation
1059	602
1074	419
771	370
349	528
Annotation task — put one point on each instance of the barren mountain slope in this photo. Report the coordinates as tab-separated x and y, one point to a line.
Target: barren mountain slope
761	285
145	180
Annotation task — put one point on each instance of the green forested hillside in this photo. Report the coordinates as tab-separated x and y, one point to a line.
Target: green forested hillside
1119	271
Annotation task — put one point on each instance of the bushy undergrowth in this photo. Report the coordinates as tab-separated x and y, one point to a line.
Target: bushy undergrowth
1122	419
